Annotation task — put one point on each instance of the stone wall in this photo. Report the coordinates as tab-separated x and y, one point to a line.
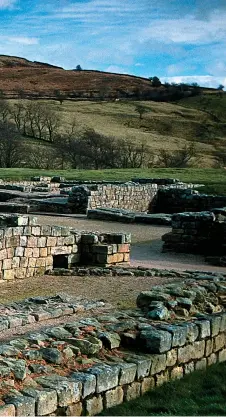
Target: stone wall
196	232
135	197
176	200
86	365
27	249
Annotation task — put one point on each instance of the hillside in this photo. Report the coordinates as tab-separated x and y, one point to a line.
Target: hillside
164	125
20	77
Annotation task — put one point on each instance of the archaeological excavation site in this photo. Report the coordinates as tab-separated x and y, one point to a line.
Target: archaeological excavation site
67	353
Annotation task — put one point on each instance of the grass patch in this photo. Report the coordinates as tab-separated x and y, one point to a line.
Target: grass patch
214	179
200	393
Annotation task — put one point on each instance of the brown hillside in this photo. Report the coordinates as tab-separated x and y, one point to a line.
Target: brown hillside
39	78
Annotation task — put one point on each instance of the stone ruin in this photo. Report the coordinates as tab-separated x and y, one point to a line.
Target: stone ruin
87	364
28	249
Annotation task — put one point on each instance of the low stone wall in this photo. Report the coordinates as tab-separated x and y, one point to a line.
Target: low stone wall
198	232
28	249
176	200
86	365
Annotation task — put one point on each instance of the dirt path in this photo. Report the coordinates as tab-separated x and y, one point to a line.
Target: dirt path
146	243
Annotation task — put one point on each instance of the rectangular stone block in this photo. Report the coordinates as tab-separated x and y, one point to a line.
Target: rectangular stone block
43	252
23	262
132	391
7	264
28	252
23	241
219	342
17	231
3	254
199	349
46	400
201	364
32	242
127	373
63	250
158	364
106	376
209	347
75	409
94	406
19	251
31	262
215	325
126	257
69	240
24	406
20	273
36	230
102	249
212	359
88	382
40	262
177	372
124	248
189	367
15	262
7	410
147	384
156	341
171	357
46	230
204	328
51	241
41	242
10	252
113	397
162	378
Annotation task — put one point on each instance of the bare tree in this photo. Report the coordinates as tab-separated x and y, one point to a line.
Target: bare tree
141	110
5	110
179	158
11	150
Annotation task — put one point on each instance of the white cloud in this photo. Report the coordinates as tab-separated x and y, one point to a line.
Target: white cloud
187	30
23	40
117	69
202	80
7	4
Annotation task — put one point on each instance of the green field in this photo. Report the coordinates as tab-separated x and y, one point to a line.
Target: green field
201	393
214	179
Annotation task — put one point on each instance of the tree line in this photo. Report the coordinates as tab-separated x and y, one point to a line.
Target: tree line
52	146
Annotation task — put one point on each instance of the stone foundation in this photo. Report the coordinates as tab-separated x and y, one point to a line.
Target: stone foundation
86	365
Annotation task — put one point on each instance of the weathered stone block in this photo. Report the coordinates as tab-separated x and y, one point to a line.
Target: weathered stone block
133	391
127	373
143	365
177	372
156	341
7	410
189	367
68	391
106	376
204	328
212	359
201	364
74	410
222	356
24	406
215	325
209	347
147	384
171	357
46	400
219	342
113	397
179	334
158	364
51	241
32	242
199	349
88	382
162	378
94	406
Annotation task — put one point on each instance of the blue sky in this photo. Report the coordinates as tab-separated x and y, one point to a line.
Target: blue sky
177	40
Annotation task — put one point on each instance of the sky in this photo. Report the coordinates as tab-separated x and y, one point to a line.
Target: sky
176	40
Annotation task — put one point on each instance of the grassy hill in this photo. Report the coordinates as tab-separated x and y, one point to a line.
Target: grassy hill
164	125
